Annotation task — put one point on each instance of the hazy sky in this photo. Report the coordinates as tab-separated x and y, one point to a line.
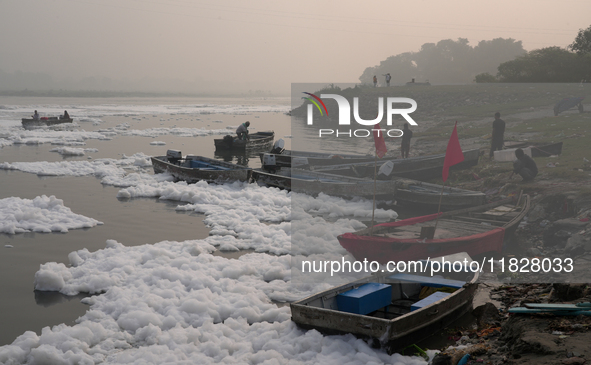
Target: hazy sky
263	43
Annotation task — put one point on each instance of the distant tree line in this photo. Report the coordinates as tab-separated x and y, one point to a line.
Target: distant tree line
550	64
446	62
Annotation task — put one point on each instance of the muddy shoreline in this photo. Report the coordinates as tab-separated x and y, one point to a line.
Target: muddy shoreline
557	226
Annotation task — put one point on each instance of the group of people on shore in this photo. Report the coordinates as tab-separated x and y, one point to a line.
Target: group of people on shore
388	79
524	165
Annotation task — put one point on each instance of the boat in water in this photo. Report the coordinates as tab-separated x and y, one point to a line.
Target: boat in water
424	168
258	140
393	309
198	168
403	191
314	183
29	123
474	230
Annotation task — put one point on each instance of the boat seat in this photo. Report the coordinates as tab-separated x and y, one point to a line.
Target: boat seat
365	299
433	282
428	300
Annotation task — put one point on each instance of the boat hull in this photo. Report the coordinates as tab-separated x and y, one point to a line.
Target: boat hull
404	191
461	232
229	172
259	140
35	123
312	183
426	168
320	312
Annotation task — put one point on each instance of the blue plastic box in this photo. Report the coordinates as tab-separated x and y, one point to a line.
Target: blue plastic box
366	299
430	299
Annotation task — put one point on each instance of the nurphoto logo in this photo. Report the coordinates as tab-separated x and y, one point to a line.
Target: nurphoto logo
345	115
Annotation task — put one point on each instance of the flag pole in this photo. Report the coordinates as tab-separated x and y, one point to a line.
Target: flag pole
373	210
438	208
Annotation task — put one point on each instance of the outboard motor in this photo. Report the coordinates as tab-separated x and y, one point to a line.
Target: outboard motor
270	163
173	156
278	147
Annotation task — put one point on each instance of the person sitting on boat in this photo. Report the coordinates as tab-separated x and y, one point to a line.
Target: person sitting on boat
242	131
524	166
36	116
66	115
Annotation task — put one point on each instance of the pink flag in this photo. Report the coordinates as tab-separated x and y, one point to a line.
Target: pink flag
453	154
378	137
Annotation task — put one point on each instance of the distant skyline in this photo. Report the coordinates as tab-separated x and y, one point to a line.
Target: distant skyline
230	46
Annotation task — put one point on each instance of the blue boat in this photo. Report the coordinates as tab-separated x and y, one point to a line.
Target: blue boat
198	168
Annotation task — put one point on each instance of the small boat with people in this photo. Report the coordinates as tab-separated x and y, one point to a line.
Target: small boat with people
258	140
198	168
394	309
30	123
475	230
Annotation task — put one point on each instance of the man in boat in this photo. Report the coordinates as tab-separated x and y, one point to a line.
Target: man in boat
524	166
498	133
406	136
66	115
36	116
242	131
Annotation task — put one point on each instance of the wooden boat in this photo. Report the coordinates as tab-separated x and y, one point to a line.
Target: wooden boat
314	183
418	194
429	167
198	168
404	191
393	309
306	158
474	230
258	140
44	121
537	150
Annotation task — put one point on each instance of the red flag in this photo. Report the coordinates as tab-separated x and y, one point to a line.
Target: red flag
453	154
378	137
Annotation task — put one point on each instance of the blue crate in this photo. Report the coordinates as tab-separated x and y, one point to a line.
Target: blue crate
366	299
430	299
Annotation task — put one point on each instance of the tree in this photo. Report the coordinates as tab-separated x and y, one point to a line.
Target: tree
550	64
484	78
446	61
582	43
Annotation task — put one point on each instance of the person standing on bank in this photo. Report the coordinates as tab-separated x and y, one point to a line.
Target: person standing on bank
375	81
524	166
242	131
498	133
406	136
388	78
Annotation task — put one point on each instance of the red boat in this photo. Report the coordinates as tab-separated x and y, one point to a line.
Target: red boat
473	230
